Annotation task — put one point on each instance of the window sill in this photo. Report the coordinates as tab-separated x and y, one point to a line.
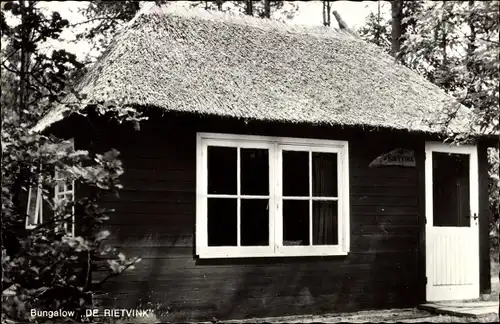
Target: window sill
265	252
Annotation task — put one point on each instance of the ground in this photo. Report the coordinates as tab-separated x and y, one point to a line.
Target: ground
408	315
495	283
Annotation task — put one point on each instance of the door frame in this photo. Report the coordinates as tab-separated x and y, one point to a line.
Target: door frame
472	151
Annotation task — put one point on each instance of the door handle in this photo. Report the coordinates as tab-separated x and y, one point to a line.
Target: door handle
474	216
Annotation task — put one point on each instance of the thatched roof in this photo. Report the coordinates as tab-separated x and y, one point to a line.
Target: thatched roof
244	67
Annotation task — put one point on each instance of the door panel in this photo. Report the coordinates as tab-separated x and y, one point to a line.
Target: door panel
449	253
452	246
451	189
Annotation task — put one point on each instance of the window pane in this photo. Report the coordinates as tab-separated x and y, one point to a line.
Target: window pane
295	173
31	210
221	170
296	222
222	226
60	186
254	222
324	174
451	189
68	224
69	185
254	171
325	223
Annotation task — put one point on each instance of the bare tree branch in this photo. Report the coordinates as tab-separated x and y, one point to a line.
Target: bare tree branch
9	69
114	274
94	19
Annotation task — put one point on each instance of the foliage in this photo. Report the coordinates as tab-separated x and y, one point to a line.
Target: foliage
43	78
46	267
377	30
494	198
455	45
9	90
106	18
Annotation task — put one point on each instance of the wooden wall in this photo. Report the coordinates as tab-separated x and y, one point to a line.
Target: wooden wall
155	219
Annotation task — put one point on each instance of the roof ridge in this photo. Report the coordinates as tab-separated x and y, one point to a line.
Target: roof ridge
243	20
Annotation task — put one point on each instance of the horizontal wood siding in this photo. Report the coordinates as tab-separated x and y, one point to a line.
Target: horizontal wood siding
154	218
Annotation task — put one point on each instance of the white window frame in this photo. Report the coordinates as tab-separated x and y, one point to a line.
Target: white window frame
275	145
38	217
58	196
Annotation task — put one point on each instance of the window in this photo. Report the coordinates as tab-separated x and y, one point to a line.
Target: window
270	196
34	210
63	192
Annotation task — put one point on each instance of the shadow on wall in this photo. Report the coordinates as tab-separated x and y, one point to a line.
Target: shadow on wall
270	287
143	286
260	288
180	288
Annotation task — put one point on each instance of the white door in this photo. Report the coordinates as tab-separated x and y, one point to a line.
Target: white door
452	232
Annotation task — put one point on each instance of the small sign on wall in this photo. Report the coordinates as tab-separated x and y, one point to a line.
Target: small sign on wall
398	157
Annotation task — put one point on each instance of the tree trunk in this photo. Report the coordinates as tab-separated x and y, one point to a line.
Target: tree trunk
219	4
471	48
378	30
22	101
267	8
23	72
326	13
341	22
249	7
444	39
396	33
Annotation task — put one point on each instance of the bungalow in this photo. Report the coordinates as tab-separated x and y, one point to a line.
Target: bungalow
282	170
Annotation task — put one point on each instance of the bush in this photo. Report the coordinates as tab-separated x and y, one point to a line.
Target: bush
46	267
494	199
